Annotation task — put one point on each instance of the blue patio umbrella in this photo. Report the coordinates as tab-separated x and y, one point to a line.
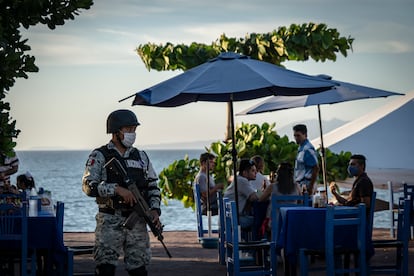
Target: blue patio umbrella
227	78
343	92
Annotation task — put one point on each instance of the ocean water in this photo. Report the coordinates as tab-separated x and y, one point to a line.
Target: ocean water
61	173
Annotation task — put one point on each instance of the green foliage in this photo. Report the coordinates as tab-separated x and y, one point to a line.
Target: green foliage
336	165
15	63
176	180
298	42
7	130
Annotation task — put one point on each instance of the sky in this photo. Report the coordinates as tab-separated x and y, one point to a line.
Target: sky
89	64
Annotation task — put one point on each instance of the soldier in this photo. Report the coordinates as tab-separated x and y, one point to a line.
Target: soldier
115	201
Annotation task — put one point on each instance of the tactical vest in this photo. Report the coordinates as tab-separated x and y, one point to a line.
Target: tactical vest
136	170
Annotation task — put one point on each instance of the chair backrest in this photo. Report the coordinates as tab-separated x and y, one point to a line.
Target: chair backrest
246	265
409	194
13	227
278	201
232	230
342	216
222	228
232	234
404	229
404	214
199	211
60	214
408	190
370	222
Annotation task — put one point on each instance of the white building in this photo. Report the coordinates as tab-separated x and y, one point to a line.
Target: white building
385	136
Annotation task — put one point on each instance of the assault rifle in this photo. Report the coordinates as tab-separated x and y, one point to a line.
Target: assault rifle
141	208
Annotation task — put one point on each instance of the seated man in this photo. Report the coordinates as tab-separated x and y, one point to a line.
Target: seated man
246	193
207	163
362	187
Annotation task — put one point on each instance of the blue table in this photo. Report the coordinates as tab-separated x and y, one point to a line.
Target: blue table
44	237
304	227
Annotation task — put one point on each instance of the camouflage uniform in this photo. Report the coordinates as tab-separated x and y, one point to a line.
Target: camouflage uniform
110	237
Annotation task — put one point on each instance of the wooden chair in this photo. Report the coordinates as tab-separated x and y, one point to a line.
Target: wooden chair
13	229
259	211
392	208
222	228
370	227
65	266
236	265
370	221
278	201
400	244
409	194
338	217
199	213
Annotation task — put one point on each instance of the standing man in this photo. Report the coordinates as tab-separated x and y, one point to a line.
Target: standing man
306	164
207	163
362	188
115	201
8	166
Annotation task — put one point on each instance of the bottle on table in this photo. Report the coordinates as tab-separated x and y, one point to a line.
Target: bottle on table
33	203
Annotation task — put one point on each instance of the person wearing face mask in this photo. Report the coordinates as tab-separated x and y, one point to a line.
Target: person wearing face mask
115	200
362	188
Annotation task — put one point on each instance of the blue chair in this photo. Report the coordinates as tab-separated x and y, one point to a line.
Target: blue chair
392	208
65	264
259	211
257	264
370	222
409	193
199	213
13	229
279	201
400	244
370	226
222	227
338	217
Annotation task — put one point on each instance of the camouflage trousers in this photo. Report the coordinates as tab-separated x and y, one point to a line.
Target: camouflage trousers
111	239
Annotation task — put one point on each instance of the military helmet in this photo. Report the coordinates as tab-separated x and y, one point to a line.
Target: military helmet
120	118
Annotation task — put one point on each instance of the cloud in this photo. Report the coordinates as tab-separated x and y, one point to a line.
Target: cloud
384	37
65	49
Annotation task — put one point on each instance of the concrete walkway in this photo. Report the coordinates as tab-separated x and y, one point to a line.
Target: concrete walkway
189	258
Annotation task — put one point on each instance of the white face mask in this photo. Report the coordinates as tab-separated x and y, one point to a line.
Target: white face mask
129	139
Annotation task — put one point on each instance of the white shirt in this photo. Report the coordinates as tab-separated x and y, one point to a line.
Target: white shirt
257	184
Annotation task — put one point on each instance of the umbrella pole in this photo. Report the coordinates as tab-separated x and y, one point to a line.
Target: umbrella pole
234	157
323	154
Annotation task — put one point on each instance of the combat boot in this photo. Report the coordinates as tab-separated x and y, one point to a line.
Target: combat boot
140	271
105	270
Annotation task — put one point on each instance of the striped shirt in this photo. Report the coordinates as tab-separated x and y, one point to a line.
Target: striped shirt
7	163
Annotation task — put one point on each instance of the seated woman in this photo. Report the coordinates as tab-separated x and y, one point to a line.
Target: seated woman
284	185
25	181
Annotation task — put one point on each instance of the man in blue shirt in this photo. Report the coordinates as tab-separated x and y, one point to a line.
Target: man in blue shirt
306	164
